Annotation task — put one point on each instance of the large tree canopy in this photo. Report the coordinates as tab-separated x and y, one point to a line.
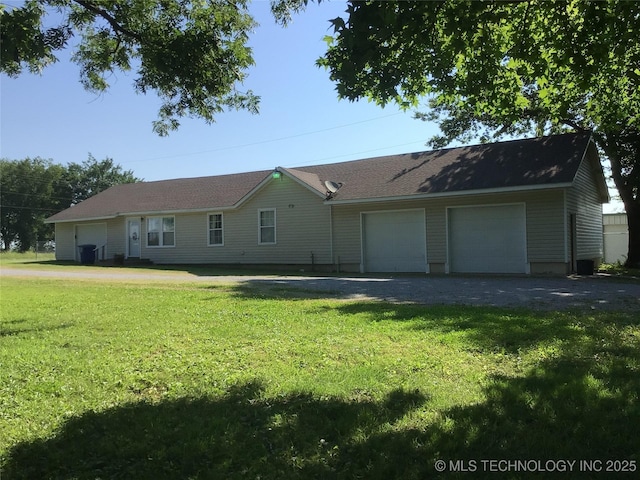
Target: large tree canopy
34	189
28	194
193	54
494	69
86	179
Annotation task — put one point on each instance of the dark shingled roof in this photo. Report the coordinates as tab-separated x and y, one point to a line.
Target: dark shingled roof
536	162
518	163
165	196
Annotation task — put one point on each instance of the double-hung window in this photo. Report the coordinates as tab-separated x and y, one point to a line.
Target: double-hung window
267	226
161	231
216	235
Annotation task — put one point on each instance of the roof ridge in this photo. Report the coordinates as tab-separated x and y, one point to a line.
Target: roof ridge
203	177
449	149
314	183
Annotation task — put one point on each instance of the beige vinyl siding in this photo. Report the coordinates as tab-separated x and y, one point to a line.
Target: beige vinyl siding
583	201
545	227
544	212
302	227
436	233
116	237
65	241
346	236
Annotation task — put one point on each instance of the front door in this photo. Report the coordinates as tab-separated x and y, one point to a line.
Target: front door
133	229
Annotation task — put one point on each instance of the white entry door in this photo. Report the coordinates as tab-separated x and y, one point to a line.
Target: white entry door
133	237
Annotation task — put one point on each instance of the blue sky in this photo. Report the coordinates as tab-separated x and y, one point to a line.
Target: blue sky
301	120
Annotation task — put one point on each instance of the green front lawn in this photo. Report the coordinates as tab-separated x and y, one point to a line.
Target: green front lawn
112	380
14	258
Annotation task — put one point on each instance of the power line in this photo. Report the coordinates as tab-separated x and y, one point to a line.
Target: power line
316	162
40	195
273	140
262	142
30	208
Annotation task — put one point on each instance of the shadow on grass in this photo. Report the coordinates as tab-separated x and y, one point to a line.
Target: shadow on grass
198	270
568	409
506	330
8	328
582	403
486	328
239	435
61	263
565	409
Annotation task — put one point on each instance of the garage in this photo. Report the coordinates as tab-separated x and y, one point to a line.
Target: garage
487	239
92	233
394	241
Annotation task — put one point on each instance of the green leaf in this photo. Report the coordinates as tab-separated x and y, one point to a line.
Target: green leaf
328	39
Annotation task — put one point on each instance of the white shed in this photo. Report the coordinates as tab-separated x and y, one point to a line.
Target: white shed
616	237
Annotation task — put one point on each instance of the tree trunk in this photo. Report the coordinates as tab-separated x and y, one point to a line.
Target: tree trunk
7	239
623	151
633	219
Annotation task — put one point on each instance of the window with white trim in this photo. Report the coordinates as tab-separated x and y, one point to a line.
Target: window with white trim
216	233
267	226
161	231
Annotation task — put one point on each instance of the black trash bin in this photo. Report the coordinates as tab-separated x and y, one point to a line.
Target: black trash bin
584	267
87	254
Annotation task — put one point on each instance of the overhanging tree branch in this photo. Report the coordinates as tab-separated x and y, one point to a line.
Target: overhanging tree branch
109	18
193	54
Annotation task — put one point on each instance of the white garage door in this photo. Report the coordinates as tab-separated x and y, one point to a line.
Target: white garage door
489	239
94	233
394	241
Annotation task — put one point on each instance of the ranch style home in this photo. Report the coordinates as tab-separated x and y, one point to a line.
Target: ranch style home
530	206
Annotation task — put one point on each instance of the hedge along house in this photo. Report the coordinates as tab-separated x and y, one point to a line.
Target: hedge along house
523	206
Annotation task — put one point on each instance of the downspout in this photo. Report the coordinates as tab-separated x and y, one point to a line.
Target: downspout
331	235
566	230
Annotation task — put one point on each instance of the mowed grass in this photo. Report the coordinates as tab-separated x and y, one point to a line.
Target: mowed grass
23	259
114	380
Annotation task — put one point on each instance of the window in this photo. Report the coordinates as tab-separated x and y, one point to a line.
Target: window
266	226
216	236
161	232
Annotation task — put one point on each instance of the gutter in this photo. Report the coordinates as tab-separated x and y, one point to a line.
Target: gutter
427	196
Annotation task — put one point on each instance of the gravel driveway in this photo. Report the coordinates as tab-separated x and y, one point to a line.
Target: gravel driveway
533	292
599	292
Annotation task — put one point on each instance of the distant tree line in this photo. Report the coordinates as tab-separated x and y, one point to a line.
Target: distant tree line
33	189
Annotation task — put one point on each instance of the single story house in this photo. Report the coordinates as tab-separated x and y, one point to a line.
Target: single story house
524	206
616	237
